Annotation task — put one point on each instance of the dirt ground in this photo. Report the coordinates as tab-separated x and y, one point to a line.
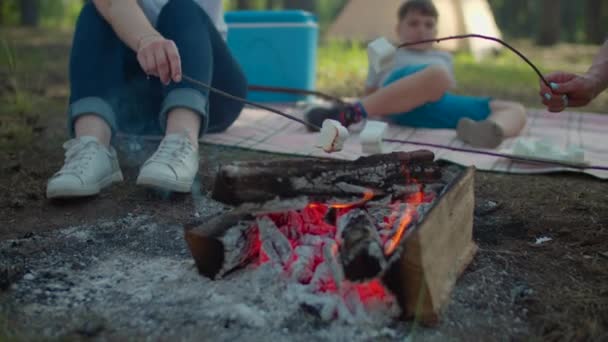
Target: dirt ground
567	276
561	286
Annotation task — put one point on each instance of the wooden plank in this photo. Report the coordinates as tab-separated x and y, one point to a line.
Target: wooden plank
436	254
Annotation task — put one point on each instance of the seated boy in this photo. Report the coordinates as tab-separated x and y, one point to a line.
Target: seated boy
413	91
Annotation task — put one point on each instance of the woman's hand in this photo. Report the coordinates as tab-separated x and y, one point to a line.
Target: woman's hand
568	90
159	57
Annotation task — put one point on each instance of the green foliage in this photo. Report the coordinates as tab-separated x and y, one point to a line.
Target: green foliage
53	13
342	68
59	13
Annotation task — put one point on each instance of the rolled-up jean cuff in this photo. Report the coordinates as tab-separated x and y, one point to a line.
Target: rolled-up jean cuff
91	106
185	98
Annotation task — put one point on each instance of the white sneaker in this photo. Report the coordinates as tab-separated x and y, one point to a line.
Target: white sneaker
173	166
89	167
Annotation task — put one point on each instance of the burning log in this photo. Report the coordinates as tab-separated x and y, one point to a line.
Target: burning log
260	181
226	242
223	244
361	251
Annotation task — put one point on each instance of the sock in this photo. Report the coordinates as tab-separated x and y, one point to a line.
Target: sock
354	113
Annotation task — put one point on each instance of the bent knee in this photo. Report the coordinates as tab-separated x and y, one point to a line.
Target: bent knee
440	80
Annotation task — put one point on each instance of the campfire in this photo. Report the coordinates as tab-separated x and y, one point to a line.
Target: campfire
391	230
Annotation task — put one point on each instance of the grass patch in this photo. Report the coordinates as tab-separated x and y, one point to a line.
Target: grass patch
342	68
32	62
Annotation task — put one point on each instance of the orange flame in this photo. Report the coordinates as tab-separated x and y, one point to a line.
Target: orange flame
367	195
406	218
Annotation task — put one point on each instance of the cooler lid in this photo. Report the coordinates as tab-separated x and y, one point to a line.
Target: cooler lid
290	16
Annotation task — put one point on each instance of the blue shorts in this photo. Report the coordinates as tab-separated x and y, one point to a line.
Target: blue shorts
443	113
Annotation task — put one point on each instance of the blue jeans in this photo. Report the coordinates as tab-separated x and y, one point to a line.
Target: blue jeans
106	79
443	113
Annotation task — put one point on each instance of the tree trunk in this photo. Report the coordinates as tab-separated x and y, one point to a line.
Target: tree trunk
306	5
1	12
549	30
243	4
30	12
593	21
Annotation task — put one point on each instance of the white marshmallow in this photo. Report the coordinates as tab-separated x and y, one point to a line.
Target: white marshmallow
544	148
372	137
380	53
575	154
332	136
524	147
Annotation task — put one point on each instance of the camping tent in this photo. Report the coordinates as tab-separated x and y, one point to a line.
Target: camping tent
367	20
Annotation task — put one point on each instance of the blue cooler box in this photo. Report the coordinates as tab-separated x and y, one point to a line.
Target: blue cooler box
275	48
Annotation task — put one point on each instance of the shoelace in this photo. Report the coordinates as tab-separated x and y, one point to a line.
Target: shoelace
78	155
172	150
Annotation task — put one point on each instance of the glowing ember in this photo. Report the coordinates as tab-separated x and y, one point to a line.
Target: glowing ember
312	256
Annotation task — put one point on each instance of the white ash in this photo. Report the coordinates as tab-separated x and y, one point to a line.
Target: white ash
378	210
274	243
275	205
204	205
239	238
321	275
303	268
542	239
138	277
334	267
312	240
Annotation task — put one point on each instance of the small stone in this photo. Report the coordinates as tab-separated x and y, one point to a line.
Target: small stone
29	277
17	203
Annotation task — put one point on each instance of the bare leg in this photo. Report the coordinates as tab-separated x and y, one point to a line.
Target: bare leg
94	126
184	120
509	116
409	92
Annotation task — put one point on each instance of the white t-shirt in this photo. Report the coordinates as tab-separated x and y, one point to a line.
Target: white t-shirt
213	8
407	57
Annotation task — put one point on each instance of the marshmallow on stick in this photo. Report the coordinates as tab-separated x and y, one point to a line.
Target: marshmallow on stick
332	136
380	53
372	137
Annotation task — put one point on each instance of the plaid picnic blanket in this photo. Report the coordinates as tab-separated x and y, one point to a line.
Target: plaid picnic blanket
260	130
